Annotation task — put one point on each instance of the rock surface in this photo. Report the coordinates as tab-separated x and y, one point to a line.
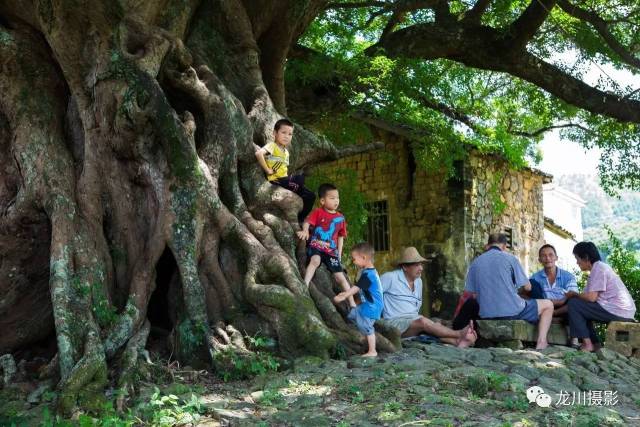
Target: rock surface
422	384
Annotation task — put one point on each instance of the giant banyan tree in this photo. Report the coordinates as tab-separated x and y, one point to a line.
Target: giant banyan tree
127	139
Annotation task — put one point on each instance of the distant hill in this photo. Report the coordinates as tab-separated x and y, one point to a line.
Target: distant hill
621	214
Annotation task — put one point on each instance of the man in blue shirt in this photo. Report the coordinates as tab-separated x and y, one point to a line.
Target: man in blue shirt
495	277
552	282
402	294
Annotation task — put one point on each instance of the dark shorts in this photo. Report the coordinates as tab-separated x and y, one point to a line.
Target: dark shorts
332	263
364	324
529	313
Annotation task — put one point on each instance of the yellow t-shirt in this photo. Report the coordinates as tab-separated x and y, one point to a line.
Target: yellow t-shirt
277	159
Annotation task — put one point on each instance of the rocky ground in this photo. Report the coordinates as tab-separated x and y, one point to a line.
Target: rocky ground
425	384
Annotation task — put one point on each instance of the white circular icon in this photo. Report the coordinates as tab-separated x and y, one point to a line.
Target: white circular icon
543	400
533	392
536	394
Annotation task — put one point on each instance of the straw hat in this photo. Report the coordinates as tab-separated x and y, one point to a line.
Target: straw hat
410	255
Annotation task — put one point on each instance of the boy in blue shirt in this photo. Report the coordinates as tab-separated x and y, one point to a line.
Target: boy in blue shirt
368	285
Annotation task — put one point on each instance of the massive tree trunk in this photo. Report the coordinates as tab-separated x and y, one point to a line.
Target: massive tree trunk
127	139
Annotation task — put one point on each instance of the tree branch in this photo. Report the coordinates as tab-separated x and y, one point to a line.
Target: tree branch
601	26
473	15
448	111
483	48
465	119
525	27
544	129
356	5
341	153
315	150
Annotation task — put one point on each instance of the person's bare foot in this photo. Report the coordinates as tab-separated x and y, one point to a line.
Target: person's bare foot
468	339
369	354
462	332
542	345
471	327
587	348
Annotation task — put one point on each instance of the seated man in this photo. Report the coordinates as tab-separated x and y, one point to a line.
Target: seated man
552	282
402	296
494	278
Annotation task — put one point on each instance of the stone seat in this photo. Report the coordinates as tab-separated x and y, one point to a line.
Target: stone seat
624	337
513	333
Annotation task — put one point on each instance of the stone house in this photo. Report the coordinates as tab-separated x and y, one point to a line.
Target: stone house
447	219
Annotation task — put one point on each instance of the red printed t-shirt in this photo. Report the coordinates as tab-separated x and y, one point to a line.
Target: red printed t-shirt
327	228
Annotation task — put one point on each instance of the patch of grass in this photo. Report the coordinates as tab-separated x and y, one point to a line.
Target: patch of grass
392	406
234	365
519	403
447	400
271	397
569	357
355	393
498	381
169	409
478	385
349	391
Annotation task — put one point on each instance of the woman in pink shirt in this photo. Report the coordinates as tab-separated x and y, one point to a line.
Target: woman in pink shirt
604	299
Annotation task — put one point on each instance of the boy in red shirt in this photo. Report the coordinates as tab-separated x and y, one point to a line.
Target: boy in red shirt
329	231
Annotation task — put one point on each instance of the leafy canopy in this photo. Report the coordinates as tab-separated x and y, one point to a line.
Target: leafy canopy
446	105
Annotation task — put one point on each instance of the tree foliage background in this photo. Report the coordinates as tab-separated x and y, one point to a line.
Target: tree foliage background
447	101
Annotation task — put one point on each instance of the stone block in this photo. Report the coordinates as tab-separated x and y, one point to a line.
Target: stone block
507	330
624	337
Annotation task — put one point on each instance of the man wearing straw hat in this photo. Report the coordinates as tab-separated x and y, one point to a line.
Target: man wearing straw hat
402	295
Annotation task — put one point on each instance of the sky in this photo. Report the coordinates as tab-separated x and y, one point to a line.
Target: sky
561	156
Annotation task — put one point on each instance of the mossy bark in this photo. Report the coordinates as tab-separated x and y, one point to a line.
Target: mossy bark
132	131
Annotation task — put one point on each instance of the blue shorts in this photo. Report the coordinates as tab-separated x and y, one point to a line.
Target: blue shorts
332	263
529	313
364	324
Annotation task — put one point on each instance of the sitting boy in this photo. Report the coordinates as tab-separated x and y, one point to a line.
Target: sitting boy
276	164
370	289
327	239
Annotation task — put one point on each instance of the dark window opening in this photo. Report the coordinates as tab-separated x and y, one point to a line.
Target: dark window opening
411	171
377	231
622	336
509	233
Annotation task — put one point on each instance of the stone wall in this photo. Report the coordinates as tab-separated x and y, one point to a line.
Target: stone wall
423	209
448	220
498	199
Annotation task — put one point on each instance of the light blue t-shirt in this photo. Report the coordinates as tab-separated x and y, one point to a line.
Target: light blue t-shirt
495	276
565	282
370	294
399	300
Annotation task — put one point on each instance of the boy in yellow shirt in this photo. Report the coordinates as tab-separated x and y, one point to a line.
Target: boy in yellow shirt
274	160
